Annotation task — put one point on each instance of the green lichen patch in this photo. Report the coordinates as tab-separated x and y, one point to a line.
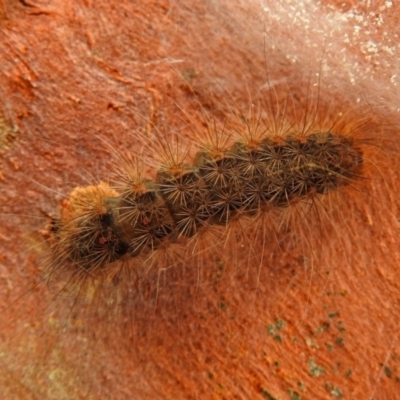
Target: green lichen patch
315	370
7	135
333	390
294	395
274	329
267	395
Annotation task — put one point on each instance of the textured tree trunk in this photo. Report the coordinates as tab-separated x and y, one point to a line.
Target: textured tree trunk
303	307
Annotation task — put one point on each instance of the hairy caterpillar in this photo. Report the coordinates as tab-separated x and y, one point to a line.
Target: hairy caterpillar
98	227
206	337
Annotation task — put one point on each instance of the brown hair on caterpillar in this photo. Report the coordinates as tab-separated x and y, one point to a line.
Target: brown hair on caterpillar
249	178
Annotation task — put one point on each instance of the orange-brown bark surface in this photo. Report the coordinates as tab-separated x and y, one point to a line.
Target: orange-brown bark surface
77	77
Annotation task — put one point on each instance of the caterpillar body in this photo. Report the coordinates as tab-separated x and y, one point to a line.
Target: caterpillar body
99	226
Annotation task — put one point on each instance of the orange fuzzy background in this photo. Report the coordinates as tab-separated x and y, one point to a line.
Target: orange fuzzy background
74	73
